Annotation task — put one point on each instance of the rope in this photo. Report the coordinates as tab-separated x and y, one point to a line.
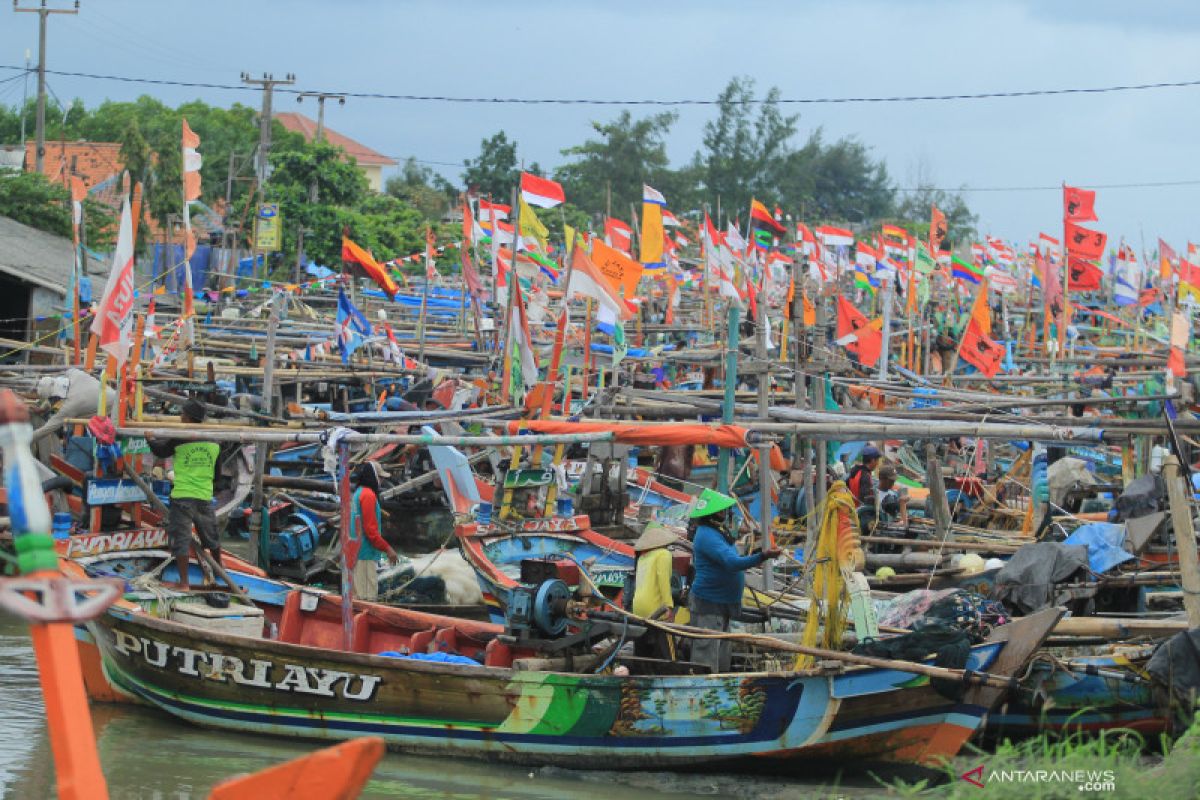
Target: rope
828	587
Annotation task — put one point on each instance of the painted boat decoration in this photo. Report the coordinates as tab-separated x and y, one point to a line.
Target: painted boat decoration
303	685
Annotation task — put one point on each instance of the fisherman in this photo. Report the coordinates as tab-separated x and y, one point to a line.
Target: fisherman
860	482
194	464
72	395
652	596
716	591
366	526
893	501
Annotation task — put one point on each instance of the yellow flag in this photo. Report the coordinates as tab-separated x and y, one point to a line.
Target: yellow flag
531	225
569	235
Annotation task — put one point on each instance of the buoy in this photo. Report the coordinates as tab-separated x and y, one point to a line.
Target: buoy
885	572
971	563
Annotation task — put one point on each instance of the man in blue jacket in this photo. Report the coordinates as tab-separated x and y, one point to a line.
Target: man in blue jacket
716	593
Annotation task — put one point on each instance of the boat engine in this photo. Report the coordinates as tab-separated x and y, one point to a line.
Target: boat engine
537	611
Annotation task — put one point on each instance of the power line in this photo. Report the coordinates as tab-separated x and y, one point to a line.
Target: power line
433	98
1057	188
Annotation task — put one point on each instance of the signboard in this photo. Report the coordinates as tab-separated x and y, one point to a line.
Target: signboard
97	543
526	478
110	491
268	228
134	445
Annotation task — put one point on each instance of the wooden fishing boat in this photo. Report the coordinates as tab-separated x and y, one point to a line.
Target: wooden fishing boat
495	552
305	684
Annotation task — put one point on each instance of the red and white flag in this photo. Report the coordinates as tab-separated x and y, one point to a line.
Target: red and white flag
541	192
113	322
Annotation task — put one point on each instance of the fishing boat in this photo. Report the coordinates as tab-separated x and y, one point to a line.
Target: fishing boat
306	684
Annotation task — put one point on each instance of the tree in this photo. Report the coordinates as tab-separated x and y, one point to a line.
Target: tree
743	154
420	186
494	172
32	200
628	154
838	181
914	208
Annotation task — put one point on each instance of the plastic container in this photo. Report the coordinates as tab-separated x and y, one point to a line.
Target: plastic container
566	507
61	525
483	513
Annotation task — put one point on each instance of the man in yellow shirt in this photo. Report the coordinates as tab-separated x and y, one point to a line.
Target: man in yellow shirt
652	586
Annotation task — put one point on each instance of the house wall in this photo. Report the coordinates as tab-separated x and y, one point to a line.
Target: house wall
374	176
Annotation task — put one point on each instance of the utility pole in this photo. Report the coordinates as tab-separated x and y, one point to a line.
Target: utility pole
321	97
42	11
268	83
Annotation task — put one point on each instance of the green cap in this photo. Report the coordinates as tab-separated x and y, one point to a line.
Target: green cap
710	502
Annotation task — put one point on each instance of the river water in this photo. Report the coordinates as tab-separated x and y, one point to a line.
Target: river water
150	756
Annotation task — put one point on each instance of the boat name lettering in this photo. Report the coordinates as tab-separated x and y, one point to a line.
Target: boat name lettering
95	544
256	672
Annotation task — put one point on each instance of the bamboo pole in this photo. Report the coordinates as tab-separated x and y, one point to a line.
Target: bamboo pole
1185	539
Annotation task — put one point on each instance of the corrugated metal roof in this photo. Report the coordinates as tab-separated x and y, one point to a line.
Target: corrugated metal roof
41	258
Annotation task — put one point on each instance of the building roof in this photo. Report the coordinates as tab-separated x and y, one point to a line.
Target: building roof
41	258
99	164
306	127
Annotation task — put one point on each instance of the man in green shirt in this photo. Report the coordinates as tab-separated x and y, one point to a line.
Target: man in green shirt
195	466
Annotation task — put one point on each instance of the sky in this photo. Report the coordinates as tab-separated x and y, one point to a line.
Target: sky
685	49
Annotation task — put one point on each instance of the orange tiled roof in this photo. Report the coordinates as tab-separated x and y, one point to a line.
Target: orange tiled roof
298	123
95	162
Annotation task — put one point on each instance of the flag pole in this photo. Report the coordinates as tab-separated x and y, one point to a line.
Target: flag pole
1066	281
506	370
425	295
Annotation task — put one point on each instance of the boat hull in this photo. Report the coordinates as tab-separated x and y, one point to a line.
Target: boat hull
282	689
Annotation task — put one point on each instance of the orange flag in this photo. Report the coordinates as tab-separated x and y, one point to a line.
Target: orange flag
980	351
353	254
937	230
981	311
860	336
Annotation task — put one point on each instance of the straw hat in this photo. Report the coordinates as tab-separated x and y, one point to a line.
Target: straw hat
654	535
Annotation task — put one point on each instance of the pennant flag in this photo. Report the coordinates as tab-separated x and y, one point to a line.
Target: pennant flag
979	351
937	229
113	322
1084	242
669	219
761	218
1079	205
357	257
1084	276
352	326
651	240
965	271
541	192
588	281
524	359
1180	331
858	334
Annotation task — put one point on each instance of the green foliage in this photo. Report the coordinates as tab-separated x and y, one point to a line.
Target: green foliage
744	152
495	171
628	154
915	208
31	199
421	187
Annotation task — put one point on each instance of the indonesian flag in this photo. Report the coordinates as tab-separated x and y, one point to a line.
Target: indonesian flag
191	192
669	219
808	243
588	281
541	192
618	235
430	272
833	237
865	255
491	211
729	289
113	322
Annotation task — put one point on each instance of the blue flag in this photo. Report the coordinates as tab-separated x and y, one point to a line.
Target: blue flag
352	326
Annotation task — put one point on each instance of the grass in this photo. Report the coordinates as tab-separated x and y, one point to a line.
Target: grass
1113	762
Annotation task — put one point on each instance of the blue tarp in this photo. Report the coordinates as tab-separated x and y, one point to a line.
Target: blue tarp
166	269
1103	541
438	658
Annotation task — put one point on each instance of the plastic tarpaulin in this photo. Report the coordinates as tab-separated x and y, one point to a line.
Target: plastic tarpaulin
167	260
1103	541
732	436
